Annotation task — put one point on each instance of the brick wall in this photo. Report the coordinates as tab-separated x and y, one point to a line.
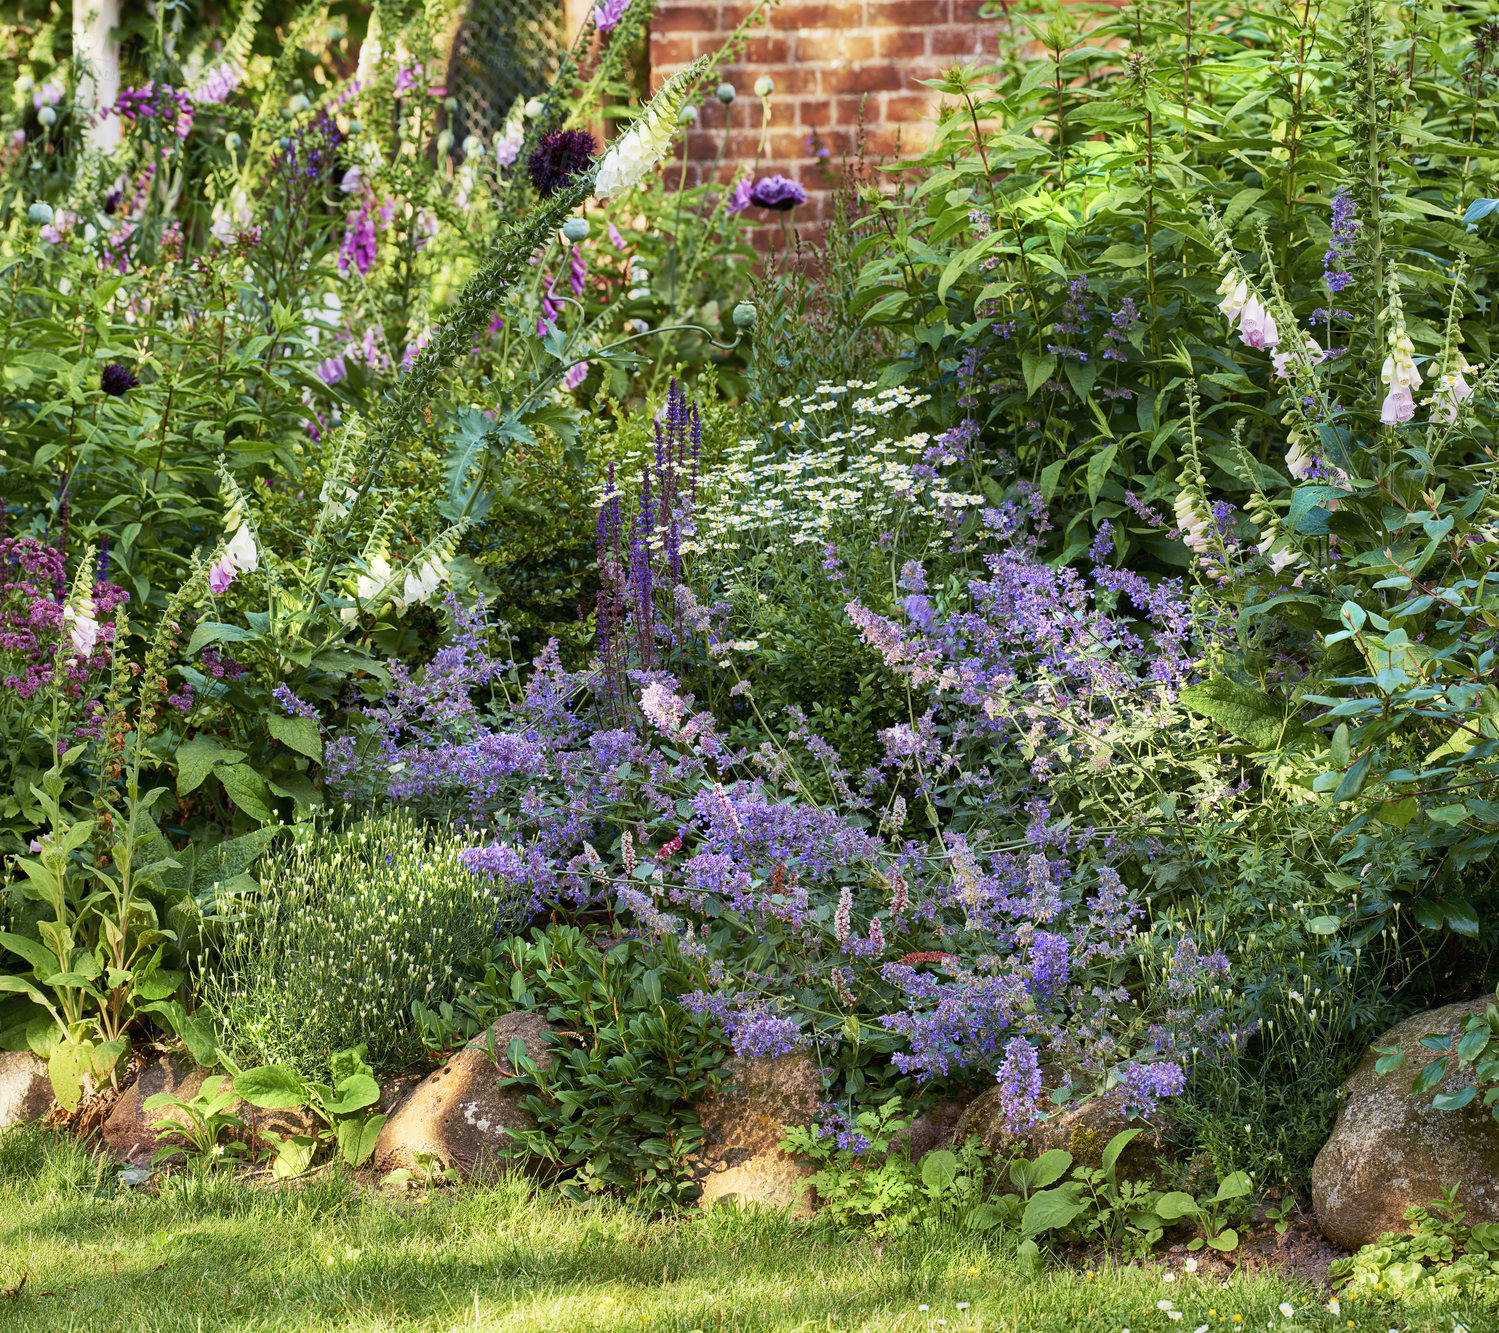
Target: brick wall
825	58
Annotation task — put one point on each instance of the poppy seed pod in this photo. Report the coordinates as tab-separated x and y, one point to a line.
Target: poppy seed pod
725	93
47	116
745	315
764	86
575	229
40	213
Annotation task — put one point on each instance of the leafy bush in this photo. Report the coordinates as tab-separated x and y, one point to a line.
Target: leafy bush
348	931
1441	1257
615	1103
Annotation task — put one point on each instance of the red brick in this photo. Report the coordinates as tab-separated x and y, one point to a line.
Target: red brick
908	13
766	48
685	18
814	112
959	42
814	14
899	43
846	109
673	49
903	108
871	78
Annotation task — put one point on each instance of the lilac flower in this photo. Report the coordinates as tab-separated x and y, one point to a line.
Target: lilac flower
741	198
359	245
777	193
1144	1085
607	14
1019	1080
283	695
1345	231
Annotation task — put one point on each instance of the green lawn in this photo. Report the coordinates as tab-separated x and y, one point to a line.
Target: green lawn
222	1255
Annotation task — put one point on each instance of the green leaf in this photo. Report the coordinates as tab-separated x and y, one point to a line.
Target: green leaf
1098	470
42	960
247	790
355	1093
1116	1145
938	1170
1225	1240
1454	1101
1050	475
298	733
196	758
1234	1186
1430	1075
271	1087
1050	1166
1048	1210
357	1137
1323	925
1245	712
211	631
1038	369
1353	780
1172	1206
294	1157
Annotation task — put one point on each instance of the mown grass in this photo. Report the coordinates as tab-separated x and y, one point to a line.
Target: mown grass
198	1257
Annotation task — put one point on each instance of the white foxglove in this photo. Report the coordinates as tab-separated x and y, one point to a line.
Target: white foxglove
634	154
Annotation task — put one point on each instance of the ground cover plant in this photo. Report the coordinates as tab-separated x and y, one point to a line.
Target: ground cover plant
329	1257
1033	640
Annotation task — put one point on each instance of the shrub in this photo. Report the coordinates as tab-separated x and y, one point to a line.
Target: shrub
349	931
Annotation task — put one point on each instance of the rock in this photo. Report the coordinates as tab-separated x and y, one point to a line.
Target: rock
937	1126
127	1132
1389	1150
25	1088
1084	1130
459	1114
743	1124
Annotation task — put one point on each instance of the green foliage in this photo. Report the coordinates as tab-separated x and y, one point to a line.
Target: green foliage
341	1109
1474	1055
1441	1258
202	1120
874	1183
615	1102
349	931
866	1178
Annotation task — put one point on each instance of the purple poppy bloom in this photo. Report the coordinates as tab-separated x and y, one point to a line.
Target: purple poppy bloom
607	14
778	193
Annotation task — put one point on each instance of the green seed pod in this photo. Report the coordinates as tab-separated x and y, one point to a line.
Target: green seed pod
725	93
40	213
575	229
745	315
47	116
233	142
299	103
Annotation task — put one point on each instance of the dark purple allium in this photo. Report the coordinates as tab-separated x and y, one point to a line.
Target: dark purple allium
559	157
117	380
778	193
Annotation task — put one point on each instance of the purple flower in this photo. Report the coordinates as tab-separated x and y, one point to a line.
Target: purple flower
777	193
607	14
740	199
283	695
1019	1080
359	245
117	380
558	158
1144	1085
1345	230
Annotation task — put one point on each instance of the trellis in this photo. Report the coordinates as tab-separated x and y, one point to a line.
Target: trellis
503	49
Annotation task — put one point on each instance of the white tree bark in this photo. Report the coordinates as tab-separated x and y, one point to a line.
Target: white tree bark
99	86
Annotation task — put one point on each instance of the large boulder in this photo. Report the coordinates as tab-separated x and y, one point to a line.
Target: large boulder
127	1131
1390	1149
1084	1130
25	1088
459	1115
740	1157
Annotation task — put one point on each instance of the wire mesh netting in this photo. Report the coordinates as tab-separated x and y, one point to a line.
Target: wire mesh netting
505	49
